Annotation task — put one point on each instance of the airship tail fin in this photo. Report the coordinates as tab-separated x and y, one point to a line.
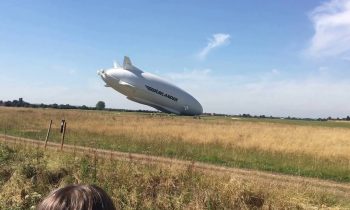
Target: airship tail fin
127	65
127	62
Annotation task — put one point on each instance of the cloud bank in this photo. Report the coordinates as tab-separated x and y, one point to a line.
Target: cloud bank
331	21
216	41
268	93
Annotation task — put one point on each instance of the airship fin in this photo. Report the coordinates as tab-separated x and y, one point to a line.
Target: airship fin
115	64
127	63
127	60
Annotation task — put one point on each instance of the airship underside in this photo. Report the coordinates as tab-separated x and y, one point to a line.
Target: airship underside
148	89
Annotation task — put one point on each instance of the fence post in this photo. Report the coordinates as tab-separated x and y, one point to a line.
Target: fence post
95	165
63	134
74	151
48	134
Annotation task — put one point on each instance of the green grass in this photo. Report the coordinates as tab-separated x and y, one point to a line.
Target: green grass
329	123
337	169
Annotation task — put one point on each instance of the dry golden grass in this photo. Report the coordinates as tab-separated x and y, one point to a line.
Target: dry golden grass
313	149
34	172
327	142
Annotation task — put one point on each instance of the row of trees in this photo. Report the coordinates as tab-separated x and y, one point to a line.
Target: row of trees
100	105
21	103
272	117
295	118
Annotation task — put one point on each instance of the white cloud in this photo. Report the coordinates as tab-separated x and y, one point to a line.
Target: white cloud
217	41
189	74
331	22
267	93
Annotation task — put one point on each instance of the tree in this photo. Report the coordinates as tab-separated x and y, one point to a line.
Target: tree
55	106
100	105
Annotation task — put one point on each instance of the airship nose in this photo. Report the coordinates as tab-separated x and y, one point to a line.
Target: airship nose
101	72
107	76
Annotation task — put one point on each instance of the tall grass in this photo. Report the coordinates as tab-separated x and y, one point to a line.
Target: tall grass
316	150
28	174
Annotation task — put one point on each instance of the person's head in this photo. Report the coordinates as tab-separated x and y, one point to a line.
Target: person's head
77	197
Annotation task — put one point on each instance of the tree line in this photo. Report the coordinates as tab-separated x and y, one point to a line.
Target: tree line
100	105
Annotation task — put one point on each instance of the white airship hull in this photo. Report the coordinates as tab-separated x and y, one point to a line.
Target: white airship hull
151	90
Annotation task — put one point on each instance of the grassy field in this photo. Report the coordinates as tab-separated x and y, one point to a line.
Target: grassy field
28	174
306	148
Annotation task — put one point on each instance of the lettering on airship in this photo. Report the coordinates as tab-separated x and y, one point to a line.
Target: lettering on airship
161	93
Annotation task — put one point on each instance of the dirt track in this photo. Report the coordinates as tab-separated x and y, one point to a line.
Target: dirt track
245	174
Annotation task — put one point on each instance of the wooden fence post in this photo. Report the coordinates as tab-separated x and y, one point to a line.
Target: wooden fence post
48	134
5	132
64	132
95	165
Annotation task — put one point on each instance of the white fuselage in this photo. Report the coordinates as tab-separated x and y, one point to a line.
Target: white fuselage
151	90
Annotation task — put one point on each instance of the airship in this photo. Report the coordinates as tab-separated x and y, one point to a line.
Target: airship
149	89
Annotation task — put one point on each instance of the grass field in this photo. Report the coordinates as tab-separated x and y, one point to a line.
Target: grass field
27	174
306	148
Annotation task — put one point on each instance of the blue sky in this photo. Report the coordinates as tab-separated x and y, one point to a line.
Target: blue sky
280	58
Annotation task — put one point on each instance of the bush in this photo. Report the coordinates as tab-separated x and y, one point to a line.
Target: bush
28	170
5	153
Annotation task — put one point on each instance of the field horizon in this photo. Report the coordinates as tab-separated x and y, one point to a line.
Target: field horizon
306	149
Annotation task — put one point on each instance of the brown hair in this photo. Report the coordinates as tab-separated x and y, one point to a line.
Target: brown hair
77	197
